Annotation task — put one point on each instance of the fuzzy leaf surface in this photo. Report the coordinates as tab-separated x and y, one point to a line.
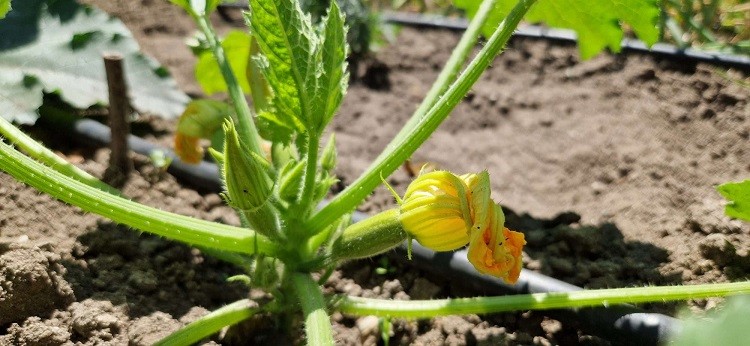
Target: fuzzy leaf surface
289	62
738	195
57	46
597	23
334	78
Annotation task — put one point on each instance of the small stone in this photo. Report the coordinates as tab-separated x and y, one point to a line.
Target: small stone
91	317
391	287
489	336
433	337
598	187
149	329
454	325
35	332
367	325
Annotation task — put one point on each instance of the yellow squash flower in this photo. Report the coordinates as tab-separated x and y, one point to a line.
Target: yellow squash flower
496	250
188	148
444	212
435	211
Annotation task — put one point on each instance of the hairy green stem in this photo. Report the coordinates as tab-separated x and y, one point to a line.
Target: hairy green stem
403	147
536	301
369	237
317	323
46	156
211	323
311	172
245	124
133	214
452	67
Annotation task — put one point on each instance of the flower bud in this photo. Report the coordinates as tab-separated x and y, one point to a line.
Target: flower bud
436	212
290	181
328	158
247	183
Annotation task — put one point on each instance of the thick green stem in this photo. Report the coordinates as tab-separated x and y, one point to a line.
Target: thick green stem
211	323
317	323
401	148
46	156
369	237
537	301
452	67
311	172
245	125
136	215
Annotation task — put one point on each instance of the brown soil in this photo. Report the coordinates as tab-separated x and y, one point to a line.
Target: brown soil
607	165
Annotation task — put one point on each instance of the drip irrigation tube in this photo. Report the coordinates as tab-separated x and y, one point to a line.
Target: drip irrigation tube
663	50
620	324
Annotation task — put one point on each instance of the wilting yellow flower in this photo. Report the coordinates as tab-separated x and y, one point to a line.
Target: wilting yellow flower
496	250
188	148
444	212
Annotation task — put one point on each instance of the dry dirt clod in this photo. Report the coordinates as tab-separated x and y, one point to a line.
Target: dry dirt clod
31	282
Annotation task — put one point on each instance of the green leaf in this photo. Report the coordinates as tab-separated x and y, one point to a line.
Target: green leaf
202	118
334	78
726	326
236	45
290	58
4	8
275	128
58	45
738	195
598	23
18	100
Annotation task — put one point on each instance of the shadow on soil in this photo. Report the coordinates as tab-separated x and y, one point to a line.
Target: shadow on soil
148	274
590	256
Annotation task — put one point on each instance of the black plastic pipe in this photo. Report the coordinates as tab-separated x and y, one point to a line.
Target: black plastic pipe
203	176
662	50
621	324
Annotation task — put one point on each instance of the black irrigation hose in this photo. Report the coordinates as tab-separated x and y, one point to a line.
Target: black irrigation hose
620	324
662	50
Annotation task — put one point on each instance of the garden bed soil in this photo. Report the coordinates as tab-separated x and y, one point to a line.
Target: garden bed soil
607	165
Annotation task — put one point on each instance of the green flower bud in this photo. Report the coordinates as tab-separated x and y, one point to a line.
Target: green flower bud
328	158
290	182
248	185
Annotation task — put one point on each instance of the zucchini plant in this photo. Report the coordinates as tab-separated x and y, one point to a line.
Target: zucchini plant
275	176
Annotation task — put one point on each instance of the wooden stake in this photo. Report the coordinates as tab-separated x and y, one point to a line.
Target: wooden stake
120	164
